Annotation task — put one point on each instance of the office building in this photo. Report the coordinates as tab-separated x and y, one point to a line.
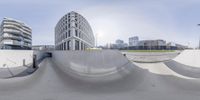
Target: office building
152	44
119	44
73	32
133	41
15	34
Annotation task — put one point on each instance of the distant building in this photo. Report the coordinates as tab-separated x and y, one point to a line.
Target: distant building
133	41
152	44
15	34
43	47
119	44
73	32
118	41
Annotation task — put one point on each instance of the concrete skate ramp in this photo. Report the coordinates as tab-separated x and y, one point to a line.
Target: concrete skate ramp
50	82
187	63
161	69
96	66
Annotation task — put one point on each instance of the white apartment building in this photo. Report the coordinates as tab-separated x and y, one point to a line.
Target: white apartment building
15	34
73	32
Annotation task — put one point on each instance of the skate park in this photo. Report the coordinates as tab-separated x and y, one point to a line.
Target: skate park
104	74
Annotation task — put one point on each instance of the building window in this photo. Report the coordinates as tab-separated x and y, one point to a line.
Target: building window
66	35
79	34
69	33
64	45
69	45
81	45
69	25
76	32
76	25
84	46
76	45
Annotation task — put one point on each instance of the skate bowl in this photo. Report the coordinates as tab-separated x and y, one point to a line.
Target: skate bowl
187	63
93	66
53	82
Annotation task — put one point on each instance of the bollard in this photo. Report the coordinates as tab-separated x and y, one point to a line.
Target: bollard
34	61
24	62
124	55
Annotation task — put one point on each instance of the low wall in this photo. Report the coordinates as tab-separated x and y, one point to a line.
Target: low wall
15	58
19	58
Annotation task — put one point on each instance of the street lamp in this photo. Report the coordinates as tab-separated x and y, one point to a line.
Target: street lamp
199	42
199	36
96	35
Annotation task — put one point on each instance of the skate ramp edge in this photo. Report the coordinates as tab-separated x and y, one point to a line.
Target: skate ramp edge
161	69
183	69
93	66
187	63
189	57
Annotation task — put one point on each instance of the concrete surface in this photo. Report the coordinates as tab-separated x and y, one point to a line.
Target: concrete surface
182	69
93	66
189	57
143	82
187	63
50	82
150	57
15	58
161	69
18	63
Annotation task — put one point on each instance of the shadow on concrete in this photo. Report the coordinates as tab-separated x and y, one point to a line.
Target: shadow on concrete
182	69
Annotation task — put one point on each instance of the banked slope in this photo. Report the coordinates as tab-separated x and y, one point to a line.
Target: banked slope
187	63
52	82
93	66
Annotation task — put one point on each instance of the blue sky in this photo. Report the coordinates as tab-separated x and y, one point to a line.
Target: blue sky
171	20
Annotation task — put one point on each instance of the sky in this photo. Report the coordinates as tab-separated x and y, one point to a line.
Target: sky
170	20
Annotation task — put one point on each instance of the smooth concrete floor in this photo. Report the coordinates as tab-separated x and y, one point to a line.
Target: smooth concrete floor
49	82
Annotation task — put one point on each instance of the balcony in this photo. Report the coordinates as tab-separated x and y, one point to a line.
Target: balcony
12	37
27	40
11	42
12	31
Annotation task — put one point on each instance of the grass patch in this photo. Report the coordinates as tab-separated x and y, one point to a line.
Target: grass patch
148	50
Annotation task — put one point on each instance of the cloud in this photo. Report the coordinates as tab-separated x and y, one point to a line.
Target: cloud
148	20
171	20
121	22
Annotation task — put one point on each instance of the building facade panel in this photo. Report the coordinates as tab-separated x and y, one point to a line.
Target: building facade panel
73	32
